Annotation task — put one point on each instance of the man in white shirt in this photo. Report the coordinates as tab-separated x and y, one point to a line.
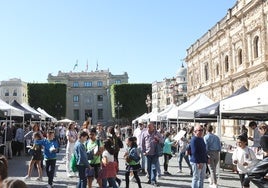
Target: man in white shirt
138	133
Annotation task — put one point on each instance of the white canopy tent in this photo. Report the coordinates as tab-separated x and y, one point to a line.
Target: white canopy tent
250	105
163	114
46	114
65	121
140	118
152	116
10	110
26	106
187	109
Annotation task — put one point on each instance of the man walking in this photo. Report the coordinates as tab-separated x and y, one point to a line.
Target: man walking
213	146
150	138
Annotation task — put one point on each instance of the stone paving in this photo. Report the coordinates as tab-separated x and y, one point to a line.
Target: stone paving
18	167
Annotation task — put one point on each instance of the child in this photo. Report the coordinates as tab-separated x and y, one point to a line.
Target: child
36	158
244	158
132	160
51	147
108	159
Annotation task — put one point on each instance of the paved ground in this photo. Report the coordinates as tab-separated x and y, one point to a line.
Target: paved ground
18	167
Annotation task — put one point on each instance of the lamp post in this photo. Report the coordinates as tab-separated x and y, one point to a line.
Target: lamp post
148	102
118	106
58	108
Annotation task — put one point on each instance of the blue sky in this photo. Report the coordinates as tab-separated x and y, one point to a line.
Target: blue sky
145	38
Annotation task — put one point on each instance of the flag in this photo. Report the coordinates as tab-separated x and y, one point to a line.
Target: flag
87	66
97	66
76	65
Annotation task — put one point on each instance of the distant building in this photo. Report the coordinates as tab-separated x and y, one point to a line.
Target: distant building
231	54
88	94
14	89
170	91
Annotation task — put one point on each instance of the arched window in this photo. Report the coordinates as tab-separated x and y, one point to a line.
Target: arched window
256	46
240	57
206	72
226	64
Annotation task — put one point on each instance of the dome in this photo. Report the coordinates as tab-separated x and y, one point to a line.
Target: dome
181	72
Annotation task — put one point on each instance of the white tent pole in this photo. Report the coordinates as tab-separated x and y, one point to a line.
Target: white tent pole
219	133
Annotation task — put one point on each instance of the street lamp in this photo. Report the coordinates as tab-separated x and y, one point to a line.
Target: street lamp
58	108
118	106
148	102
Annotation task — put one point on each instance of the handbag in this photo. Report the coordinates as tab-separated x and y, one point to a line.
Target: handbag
73	163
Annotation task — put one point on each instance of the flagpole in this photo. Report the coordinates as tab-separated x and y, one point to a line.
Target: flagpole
76	65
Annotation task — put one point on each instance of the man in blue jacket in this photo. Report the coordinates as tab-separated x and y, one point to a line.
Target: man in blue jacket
198	157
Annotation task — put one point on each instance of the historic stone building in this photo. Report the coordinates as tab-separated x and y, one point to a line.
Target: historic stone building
88	94
170	91
231	54
14	89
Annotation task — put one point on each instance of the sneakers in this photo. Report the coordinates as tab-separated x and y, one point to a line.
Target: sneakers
155	184
167	173
118	181
39	179
27	178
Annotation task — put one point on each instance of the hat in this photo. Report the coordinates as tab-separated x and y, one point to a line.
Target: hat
140	121
264	143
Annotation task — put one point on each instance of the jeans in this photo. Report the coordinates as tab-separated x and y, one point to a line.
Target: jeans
214	159
111	182
152	166
158	169
82	183
186	158
143	159
198	175
50	169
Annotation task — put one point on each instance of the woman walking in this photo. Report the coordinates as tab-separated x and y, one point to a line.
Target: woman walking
132	161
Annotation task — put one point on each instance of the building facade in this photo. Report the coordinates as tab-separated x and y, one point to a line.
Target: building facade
88	94
170	91
14	89
231	54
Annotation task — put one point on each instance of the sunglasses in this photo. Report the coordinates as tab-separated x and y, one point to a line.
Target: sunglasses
200	130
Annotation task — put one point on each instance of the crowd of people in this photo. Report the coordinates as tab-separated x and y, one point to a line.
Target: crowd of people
96	149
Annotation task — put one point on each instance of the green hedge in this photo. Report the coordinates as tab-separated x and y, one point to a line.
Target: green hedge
132	98
49	96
